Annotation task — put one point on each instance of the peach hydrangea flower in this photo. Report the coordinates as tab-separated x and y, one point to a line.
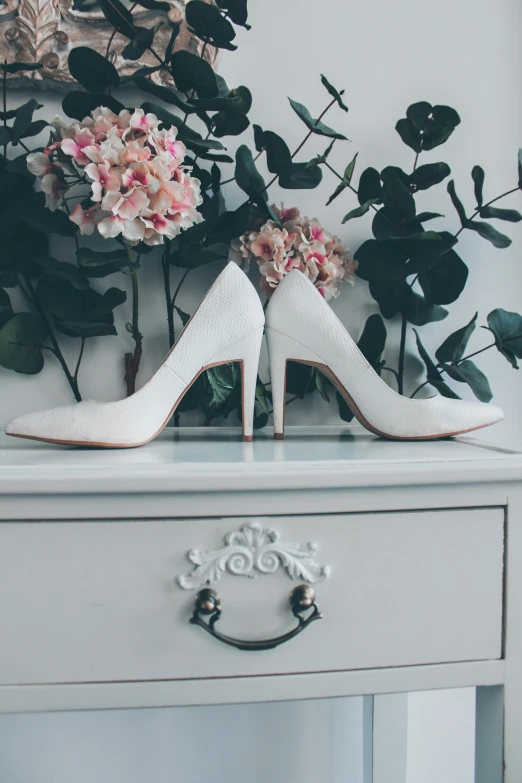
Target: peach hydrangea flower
299	243
139	186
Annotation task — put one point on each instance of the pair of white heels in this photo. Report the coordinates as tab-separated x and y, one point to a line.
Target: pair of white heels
228	327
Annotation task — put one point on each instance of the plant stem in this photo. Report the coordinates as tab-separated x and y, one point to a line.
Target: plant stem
477	212
56	348
402	354
132	360
176	292
168	296
80	357
4	86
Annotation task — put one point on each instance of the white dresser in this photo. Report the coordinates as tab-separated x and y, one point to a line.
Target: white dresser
201	570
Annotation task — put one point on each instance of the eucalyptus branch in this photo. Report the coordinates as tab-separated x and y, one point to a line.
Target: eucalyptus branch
168	296
176	292
4	90
80	357
477	211
33	299
300	146
132	360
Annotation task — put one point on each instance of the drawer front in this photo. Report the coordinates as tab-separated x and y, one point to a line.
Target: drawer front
99	601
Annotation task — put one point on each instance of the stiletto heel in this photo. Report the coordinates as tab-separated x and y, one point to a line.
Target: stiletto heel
246	352
283	349
301	326
226	327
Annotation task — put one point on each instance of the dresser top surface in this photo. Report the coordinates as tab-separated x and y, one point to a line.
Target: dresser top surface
215	459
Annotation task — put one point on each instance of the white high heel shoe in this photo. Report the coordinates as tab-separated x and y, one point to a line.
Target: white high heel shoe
302	327
226	327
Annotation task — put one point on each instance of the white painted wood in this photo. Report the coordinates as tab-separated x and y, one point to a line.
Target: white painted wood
489	735
513	647
240	690
367	740
390	738
100	603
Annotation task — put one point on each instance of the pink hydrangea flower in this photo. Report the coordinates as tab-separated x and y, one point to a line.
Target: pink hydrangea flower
139	187
299	243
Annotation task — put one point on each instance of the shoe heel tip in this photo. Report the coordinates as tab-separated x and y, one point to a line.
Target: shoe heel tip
248	438
279	436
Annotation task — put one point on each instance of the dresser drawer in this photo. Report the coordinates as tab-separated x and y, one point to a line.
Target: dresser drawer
100	601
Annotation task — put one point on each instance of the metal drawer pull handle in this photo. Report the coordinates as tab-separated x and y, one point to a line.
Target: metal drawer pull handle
208	602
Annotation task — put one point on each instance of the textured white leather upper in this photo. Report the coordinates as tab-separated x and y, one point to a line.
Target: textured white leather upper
299	312
227	326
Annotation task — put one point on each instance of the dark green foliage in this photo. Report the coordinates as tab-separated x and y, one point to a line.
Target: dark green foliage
507	331
92	71
315	126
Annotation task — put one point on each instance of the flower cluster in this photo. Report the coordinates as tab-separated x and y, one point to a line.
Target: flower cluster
139	187
299	243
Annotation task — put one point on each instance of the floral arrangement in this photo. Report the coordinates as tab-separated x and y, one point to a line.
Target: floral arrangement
156	179
139	187
296	242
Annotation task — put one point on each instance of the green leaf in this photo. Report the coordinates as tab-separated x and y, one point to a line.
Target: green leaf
20	343
119	16
334	93
23	119
373	340
87	329
259	138
520	169
229	123
468	372
316	126
207	21
511	215
64	271
381	261
192	73
224	390
142	41
42	219
423	217
395	194
369	186
409	134
425	177
486	231
302	177
457	203
418	114
92	70
346	179
191	255
68	303
445	280
33	129
17	67
278	157
165	94
300	379
419	311
6	135
238	100
433	375
184	317
454	346
478	177
78	104
360	210
507	331
246	174
236	10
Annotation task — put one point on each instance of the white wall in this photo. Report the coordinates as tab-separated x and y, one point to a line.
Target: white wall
387	55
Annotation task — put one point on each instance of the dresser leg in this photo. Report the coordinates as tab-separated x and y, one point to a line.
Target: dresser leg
390	738
489	735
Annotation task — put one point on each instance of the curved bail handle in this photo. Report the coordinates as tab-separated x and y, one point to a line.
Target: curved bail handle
208	602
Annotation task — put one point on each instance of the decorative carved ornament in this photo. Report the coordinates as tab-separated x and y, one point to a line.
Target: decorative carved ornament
250	551
46	30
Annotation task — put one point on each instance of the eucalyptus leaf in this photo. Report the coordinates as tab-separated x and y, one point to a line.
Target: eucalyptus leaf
17	67
78	104
207	21
419	311
142	41
42	219
446	278
468	372
520	169
190	72
511	215
430	174
21	339
236	10
395	194
164	94
301	177
345	181
506	327
119	16
359	211
229	123
246	174
278	157
369	186
409	134
92	70
457	203
23	119
316	126
454	347
85	329
478	176
63	270
334	93
433	375
486	231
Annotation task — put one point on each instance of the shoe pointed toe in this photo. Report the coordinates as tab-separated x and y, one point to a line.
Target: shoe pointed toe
43	425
